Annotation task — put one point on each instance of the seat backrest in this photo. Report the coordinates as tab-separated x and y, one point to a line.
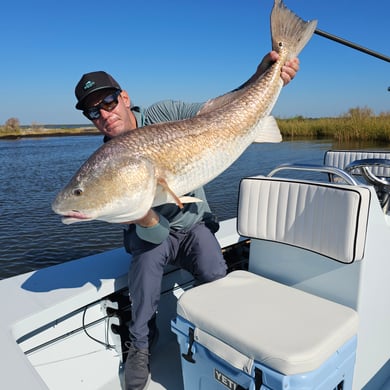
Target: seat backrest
325	218
341	158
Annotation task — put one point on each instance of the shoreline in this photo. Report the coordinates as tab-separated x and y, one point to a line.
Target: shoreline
49	132
358	125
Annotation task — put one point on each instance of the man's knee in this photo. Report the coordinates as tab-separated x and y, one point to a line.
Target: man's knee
216	269
209	262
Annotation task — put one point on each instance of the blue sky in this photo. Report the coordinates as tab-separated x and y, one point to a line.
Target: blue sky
190	50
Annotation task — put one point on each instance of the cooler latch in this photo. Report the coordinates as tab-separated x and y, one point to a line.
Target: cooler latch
188	356
258	378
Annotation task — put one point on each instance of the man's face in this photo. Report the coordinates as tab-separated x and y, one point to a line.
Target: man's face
109	110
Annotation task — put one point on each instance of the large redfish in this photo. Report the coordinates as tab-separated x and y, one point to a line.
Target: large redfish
157	164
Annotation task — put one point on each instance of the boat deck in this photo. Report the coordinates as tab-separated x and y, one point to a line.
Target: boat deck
51	303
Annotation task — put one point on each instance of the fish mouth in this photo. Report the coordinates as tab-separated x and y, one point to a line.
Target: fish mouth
74	216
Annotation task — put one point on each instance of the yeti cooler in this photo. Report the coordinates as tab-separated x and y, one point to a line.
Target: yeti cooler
248	332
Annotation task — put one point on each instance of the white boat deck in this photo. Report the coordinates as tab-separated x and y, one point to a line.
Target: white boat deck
35	299
51	293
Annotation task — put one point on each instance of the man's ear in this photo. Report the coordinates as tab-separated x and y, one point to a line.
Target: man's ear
126	98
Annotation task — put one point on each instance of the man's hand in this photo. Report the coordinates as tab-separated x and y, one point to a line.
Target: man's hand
289	70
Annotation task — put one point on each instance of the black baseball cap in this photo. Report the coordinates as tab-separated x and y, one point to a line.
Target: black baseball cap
92	82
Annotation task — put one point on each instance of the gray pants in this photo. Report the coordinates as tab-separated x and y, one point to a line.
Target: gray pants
196	250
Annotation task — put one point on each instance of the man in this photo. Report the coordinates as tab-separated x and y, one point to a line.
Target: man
166	234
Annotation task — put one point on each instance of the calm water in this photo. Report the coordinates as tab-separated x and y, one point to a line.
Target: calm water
33	170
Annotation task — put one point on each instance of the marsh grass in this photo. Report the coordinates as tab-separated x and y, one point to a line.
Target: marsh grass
359	124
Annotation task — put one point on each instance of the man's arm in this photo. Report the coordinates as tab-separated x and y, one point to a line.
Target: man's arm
153	227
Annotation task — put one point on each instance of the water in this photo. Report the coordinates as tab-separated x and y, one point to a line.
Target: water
31	235
33	170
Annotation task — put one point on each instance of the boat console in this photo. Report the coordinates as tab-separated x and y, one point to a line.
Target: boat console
371	166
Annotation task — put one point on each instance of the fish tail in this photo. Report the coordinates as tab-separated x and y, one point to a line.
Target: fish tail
289	32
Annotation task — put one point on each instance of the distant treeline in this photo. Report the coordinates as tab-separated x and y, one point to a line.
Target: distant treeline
358	124
13	129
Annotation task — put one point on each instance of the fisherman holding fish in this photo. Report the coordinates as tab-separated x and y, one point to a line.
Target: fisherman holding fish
167	234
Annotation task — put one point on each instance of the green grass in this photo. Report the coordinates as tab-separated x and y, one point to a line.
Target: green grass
357	125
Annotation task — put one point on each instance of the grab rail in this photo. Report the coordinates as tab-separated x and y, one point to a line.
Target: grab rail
315	168
364	165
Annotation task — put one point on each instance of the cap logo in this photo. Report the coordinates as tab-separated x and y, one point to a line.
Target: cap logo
88	84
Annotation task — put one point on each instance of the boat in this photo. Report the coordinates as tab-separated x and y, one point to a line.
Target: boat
305	304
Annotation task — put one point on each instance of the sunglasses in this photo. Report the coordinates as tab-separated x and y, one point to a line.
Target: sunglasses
107	104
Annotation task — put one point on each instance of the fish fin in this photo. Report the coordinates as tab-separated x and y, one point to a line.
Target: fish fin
289	30
190	199
268	130
187	199
70	220
165	186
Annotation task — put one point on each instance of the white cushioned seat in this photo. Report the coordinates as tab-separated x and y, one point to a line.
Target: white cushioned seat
325	218
245	318
341	158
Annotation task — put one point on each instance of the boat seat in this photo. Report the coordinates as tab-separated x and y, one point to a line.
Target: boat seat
247	319
372	166
341	158
326	218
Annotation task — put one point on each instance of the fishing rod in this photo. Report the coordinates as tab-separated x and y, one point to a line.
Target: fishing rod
351	44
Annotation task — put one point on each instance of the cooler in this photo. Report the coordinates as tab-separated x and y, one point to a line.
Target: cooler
248	332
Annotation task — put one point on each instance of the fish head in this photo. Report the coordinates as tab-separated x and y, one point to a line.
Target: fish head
111	187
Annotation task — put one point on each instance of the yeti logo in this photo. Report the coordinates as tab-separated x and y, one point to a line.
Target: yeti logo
225	380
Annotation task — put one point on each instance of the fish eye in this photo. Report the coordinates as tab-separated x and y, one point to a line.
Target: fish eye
77	191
